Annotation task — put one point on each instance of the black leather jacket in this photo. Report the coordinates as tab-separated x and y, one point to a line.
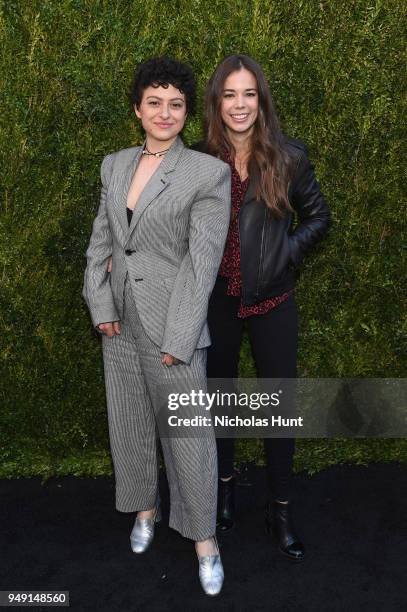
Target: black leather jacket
271	249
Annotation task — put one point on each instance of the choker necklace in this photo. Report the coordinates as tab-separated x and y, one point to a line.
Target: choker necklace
145	151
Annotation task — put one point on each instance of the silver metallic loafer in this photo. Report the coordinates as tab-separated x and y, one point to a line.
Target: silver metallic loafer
142	533
211	572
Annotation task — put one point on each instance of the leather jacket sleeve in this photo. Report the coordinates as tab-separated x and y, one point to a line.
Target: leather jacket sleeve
312	210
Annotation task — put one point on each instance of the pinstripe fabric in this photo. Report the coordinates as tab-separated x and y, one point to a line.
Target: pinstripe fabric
132	368
174	247
177	235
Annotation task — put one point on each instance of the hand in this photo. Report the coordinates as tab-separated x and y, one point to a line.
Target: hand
169	360
109	265
110	329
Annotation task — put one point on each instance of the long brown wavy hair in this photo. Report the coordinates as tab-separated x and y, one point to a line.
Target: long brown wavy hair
269	163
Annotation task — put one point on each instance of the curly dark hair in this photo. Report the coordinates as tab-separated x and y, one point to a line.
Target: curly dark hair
164	71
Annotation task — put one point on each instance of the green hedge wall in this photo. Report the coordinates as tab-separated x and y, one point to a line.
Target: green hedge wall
336	70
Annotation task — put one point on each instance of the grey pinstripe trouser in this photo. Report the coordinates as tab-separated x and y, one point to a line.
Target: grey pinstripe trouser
133	370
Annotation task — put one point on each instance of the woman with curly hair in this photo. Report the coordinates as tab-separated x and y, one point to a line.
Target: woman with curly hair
162	223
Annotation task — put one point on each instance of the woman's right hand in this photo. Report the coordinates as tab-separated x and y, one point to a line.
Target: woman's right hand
109	264
110	329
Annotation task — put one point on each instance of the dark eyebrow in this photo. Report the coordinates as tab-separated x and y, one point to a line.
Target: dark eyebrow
171	100
249	89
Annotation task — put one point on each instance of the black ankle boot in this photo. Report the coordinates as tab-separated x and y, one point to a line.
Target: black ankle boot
279	523
226	505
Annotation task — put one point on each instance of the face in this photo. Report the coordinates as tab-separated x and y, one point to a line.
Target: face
240	101
162	112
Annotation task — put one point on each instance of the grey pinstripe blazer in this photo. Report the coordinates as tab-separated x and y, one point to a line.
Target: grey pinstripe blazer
172	249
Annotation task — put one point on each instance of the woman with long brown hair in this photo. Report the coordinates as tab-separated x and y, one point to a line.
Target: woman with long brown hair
273	184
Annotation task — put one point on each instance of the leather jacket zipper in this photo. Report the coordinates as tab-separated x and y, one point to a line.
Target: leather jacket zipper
261	254
240	255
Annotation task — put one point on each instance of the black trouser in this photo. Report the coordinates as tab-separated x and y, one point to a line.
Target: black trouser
273	339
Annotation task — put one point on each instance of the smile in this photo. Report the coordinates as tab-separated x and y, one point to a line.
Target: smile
240	116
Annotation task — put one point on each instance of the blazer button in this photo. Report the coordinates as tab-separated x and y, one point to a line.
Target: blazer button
128	252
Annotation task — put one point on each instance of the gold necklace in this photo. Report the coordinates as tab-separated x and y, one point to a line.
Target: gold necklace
241	165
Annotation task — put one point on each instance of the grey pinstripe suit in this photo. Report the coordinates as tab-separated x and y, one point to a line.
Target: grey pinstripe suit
164	269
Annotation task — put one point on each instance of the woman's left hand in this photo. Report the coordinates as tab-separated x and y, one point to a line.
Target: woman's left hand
169	360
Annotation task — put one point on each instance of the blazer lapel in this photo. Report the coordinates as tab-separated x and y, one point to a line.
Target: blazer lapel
153	188
120	198
157	183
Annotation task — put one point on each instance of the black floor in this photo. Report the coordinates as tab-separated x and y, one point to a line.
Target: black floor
67	535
